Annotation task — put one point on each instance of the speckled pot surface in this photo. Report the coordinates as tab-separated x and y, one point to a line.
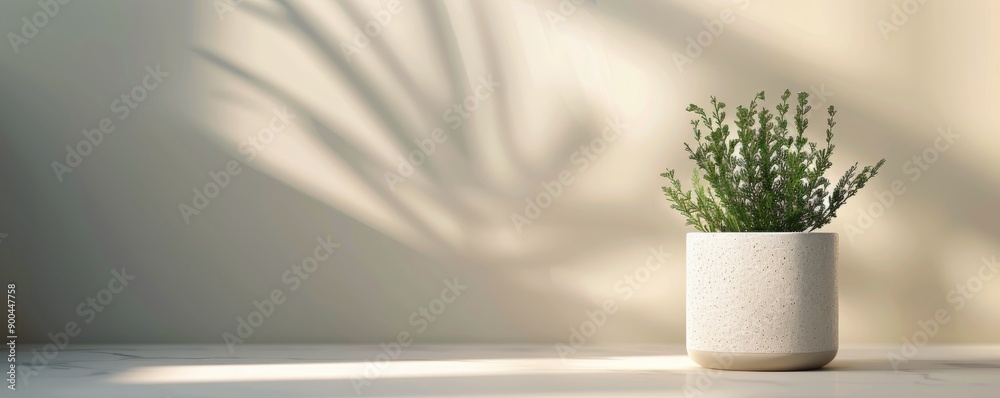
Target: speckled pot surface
762	301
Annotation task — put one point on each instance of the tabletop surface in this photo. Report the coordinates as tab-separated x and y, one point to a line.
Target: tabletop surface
481	371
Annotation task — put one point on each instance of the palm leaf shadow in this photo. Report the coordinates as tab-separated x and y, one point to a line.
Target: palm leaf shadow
358	160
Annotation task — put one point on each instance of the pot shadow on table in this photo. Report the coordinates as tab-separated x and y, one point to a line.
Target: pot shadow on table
886	365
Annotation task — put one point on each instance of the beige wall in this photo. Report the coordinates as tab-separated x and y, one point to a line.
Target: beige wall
563	71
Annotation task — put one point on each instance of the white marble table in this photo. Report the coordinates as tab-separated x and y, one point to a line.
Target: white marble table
488	371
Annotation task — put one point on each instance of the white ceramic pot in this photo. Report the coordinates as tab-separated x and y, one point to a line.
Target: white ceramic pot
762	301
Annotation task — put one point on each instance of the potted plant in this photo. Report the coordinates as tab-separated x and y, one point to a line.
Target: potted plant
761	285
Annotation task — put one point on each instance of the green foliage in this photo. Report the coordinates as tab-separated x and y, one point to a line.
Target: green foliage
765	178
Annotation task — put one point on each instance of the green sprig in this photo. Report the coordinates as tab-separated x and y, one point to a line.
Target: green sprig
765	178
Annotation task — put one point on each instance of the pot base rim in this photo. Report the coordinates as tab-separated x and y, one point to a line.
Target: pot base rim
766	362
